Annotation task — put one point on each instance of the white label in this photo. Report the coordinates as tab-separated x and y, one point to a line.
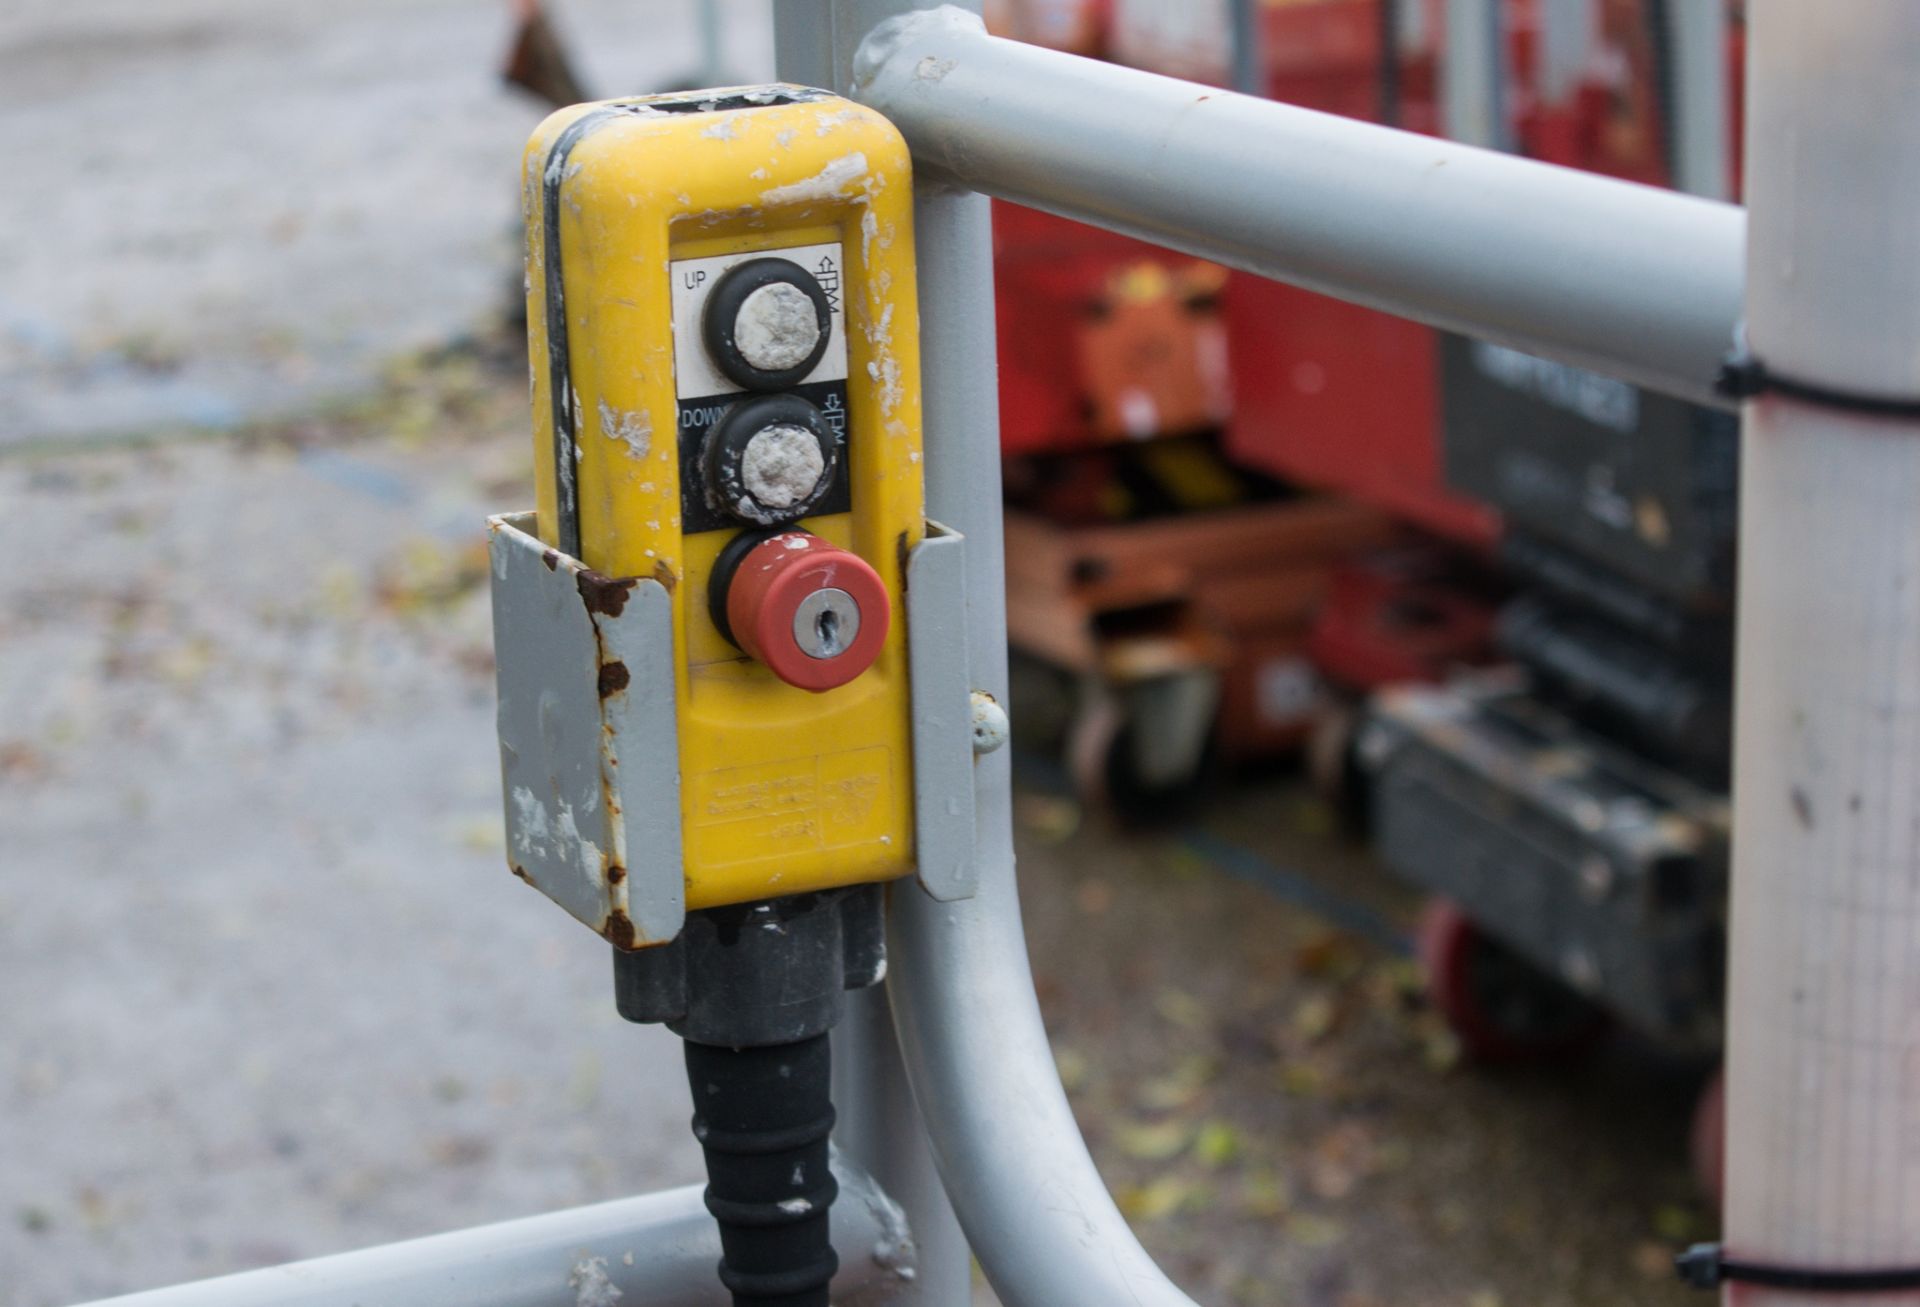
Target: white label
1604	401
1284	689
695	376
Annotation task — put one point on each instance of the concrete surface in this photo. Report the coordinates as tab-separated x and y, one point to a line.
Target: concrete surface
218	209
270	991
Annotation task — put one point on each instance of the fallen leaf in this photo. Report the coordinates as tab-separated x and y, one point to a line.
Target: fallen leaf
1441	1050
1314	1017
1216	1144
1302	1080
460	1150
1675	1223
482	834
1051	818
1653	1259
1263	1193
1071	1064
1178	1087
1330	954
1310	1231
1160	1198
1180	1008
1156	1142
1340	1159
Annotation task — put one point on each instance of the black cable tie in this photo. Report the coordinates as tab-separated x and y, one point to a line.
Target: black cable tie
1706	1266
1746	376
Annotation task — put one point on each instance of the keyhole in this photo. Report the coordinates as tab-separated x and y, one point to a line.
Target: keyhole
827	623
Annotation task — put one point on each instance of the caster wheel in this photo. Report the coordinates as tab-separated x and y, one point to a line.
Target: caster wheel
1333	766
1100	758
1092	736
1502	1008
1707	1139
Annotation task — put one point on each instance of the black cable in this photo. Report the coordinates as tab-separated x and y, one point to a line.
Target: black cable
1744	376
754	989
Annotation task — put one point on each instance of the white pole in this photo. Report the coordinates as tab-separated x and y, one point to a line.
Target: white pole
1823	1146
1473	75
1699	131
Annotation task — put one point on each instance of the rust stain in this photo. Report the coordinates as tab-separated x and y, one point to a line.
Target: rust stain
614	678
619	929
521	872
663	573
603	594
616	873
551	557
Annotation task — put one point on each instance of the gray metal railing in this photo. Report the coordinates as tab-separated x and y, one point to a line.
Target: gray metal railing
1646	284
659	1249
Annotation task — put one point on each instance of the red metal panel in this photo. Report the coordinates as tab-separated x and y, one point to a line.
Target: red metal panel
1338	397
1084	358
1325	393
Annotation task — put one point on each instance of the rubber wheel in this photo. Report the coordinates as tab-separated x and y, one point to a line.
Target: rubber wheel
1333	765
1502	1008
1707	1139
1099	758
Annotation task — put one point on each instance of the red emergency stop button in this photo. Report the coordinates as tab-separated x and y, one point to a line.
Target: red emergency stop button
812	612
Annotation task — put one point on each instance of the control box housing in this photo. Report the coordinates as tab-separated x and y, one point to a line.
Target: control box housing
679	246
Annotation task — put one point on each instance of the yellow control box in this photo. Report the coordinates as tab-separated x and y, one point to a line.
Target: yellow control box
726	398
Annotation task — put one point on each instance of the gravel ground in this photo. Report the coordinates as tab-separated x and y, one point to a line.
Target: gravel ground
218	209
1285	1121
273	993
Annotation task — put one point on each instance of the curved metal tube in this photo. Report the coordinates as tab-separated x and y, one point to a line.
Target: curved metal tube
659	1249
1623	278
1032	1205
1636	282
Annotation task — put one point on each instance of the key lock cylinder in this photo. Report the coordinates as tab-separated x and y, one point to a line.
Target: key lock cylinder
733	696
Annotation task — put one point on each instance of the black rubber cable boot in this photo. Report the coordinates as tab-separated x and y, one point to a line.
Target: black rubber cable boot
762	1116
753	989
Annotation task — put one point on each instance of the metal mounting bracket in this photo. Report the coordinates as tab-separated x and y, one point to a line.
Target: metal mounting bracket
588	737
942	714
588	743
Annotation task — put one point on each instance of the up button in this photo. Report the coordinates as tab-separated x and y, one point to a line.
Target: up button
766	324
